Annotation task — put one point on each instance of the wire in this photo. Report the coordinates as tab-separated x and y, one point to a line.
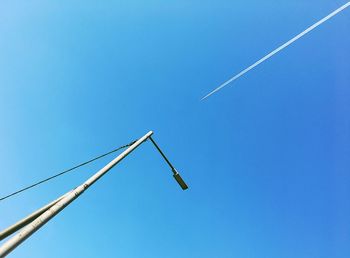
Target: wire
65	171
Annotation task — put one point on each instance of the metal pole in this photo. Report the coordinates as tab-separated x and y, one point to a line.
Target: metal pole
16	240
163	155
20	224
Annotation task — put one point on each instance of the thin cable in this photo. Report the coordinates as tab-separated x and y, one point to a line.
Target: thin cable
65	171
278	49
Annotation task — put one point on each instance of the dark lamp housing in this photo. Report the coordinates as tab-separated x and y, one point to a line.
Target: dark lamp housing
180	181
177	176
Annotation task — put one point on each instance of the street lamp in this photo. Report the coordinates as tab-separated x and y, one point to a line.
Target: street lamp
176	175
37	219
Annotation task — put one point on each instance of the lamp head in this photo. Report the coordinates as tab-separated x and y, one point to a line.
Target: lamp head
179	180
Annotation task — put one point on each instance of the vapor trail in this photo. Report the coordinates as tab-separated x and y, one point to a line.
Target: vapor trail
278	49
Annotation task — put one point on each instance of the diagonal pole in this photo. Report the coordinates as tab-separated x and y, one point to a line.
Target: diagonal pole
40	221
20	224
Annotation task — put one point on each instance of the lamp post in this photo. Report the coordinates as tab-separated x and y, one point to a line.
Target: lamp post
39	218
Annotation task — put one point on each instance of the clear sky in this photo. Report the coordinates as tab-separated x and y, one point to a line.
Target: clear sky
266	159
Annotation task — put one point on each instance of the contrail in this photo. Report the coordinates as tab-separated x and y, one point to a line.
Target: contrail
278	49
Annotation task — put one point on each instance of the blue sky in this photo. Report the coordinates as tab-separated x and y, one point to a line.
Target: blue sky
266	159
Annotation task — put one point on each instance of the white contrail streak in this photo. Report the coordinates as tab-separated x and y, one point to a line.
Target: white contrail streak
278	49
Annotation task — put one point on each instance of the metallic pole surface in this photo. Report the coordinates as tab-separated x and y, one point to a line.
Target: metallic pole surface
23	222
17	239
